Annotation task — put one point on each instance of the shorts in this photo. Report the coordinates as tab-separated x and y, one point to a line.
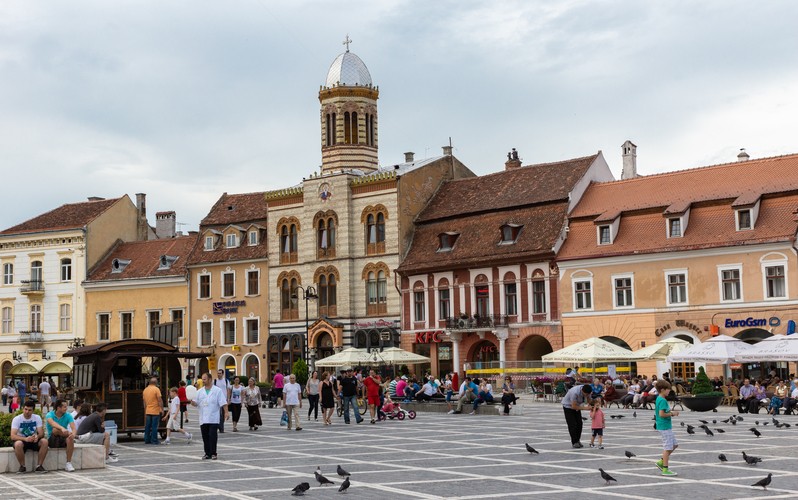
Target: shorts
449	396
173	423
26	445
598	432
46	400
57	441
92	438
668	439
374	400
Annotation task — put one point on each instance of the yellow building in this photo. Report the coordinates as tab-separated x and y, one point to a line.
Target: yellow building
686	254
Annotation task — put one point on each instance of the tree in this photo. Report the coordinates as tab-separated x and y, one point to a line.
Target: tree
300	369
702	384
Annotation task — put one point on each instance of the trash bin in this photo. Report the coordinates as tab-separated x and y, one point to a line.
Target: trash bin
110	428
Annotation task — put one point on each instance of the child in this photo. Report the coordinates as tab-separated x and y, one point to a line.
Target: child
174	416
597	414
663	414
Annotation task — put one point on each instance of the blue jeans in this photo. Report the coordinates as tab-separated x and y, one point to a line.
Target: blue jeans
353	401
484	397
151	429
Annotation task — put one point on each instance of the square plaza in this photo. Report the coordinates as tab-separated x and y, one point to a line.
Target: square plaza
443	456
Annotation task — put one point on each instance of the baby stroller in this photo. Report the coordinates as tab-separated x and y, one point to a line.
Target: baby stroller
391	410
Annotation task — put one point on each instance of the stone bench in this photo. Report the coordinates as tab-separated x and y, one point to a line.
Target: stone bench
85	456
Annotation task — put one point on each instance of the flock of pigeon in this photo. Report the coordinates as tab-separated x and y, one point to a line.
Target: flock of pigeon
749	459
300	489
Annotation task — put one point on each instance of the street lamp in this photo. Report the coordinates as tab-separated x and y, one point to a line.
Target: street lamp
308	293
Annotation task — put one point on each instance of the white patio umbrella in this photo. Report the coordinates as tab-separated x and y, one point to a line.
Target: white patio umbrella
592	350
397	356
350	356
775	348
662	349
721	350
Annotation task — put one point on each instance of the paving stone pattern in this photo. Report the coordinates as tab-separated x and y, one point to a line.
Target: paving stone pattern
442	456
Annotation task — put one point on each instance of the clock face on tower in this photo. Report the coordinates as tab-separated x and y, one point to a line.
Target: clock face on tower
325	192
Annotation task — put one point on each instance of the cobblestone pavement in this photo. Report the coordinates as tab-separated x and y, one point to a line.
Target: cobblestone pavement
442	456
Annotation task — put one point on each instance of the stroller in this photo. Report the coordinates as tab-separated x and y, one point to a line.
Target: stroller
391	410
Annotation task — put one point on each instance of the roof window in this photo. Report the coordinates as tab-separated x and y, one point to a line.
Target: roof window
510	233
166	261
446	241
119	265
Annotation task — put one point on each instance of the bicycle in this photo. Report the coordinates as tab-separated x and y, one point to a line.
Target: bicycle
361	406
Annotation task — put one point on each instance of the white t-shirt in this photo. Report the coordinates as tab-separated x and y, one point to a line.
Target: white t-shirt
209	403
794	394
291	392
78	420
174	407
488	388
26	427
429	389
4	391
44	389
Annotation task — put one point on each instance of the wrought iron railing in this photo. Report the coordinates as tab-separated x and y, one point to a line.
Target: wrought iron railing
31	286
476	322
31	337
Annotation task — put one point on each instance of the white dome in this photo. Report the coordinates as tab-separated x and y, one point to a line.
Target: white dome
348	69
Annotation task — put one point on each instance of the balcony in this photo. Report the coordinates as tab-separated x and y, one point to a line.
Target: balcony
32	287
477	322
29	337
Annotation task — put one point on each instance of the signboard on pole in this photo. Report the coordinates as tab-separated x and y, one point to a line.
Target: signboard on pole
211	363
611	371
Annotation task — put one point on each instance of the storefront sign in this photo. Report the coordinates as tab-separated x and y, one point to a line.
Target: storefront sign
680	323
488	348
229	307
434	337
380	323
745	323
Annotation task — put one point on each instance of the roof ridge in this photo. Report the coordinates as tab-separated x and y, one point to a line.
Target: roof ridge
523	167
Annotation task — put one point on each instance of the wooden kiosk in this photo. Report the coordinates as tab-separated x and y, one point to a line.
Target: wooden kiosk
117	373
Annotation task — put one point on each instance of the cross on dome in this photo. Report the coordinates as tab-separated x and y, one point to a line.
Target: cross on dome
347	41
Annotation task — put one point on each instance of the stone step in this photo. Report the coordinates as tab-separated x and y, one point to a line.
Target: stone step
85	456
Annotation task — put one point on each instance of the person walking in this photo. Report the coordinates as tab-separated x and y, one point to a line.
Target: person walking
347	386
253	401
312	390
292	399
663	415
236	393
211	402
22	391
224	385
44	395
153	410
371	385
4	391
327	398
277	384
183	398
572	404
172	416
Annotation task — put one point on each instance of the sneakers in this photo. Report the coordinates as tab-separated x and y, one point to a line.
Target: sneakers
577	445
660	465
22	470
68	467
113	460
188	441
40	469
112	453
450	412
667	472
473	413
592	445
166	441
601	447
299	428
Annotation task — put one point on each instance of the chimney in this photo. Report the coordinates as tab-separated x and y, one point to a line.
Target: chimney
409	157
629	155
743	156
96	198
513	161
141	222
165	224
447	150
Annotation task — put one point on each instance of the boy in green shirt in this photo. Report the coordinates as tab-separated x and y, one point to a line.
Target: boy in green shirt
663	414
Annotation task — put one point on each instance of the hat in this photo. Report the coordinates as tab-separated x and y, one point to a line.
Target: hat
404	377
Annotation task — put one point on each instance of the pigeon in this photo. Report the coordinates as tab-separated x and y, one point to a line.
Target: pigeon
300	489
775	422
750	460
734	422
720	430
344	486
530	449
611	416
764	482
764	423
634	414
757	422
714	421
607	477
739	419
703	421
620	416
321	479
690	429
708	431
756	432
722	458
342	472
682	424
726	421
787	425
629	454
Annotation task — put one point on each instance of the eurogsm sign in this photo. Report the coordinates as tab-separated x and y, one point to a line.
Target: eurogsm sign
434	337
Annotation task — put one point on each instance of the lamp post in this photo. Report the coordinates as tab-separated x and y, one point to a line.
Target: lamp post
308	293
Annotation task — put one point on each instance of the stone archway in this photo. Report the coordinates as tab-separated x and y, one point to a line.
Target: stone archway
7	365
251	367
533	348
483	351
753	335
228	363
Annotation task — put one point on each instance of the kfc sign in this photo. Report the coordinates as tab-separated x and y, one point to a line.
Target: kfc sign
434	337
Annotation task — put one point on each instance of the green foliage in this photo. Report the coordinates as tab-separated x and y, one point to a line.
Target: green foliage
300	369
702	384
5	426
264	385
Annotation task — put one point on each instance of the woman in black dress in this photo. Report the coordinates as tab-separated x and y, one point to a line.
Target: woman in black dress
327	398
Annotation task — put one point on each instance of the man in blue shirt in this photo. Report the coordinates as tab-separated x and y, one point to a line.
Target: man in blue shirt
469	394
21	391
746	396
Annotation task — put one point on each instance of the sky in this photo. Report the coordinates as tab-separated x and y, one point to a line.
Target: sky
185	100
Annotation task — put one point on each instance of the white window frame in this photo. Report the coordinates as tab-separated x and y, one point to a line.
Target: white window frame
221	290
149	317
7	324
252	238
246	285
246	330
62	317
730	267
631	278
122	324
505	303
774	263
581	279
423	308
97	317
750	219
231	240
8	277
208	246
35	325
675	272
669	224
222	333
199	332
199	286
65	267
182	321
608	227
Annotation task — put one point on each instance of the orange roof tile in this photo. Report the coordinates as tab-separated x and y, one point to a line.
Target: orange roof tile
144	257
69	216
237	209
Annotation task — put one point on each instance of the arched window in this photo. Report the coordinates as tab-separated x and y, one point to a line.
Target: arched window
329	130
419	302
288	229
355	134
482	294
36	318
288	306
376	277
444	299
325	223
374	220
347	128
369	124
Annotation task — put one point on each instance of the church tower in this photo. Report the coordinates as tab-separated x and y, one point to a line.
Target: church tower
348	116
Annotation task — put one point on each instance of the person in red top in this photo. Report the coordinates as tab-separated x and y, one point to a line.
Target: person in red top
181	395
372	385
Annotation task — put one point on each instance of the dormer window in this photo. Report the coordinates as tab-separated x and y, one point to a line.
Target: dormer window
231	241
604	235
446	241
208	243
119	265
166	261
253	238
675	227
510	233
744	220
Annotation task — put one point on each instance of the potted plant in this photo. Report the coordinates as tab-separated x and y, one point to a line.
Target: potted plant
703	397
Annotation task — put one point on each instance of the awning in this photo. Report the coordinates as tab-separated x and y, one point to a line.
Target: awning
592	350
60	367
28	368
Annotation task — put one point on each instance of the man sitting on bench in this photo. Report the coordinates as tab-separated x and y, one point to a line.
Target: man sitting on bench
27	433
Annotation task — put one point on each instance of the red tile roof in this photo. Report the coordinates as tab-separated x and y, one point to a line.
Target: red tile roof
748	179
69	216
237	209
507	189
144	257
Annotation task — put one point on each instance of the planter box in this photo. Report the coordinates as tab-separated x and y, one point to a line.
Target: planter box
701	403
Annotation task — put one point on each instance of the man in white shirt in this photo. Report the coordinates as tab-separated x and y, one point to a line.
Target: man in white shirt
222	383
292	398
27	433
44	395
211	402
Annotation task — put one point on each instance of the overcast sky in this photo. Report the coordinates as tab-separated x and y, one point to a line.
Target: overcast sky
184	100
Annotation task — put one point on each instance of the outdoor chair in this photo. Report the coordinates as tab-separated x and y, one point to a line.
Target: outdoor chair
734	395
726	396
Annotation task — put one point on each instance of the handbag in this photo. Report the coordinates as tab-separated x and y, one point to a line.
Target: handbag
284	418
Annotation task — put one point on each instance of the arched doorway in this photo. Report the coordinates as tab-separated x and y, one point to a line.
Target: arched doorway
324	346
533	348
4	372
759	370
228	364
251	368
484	351
202	367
